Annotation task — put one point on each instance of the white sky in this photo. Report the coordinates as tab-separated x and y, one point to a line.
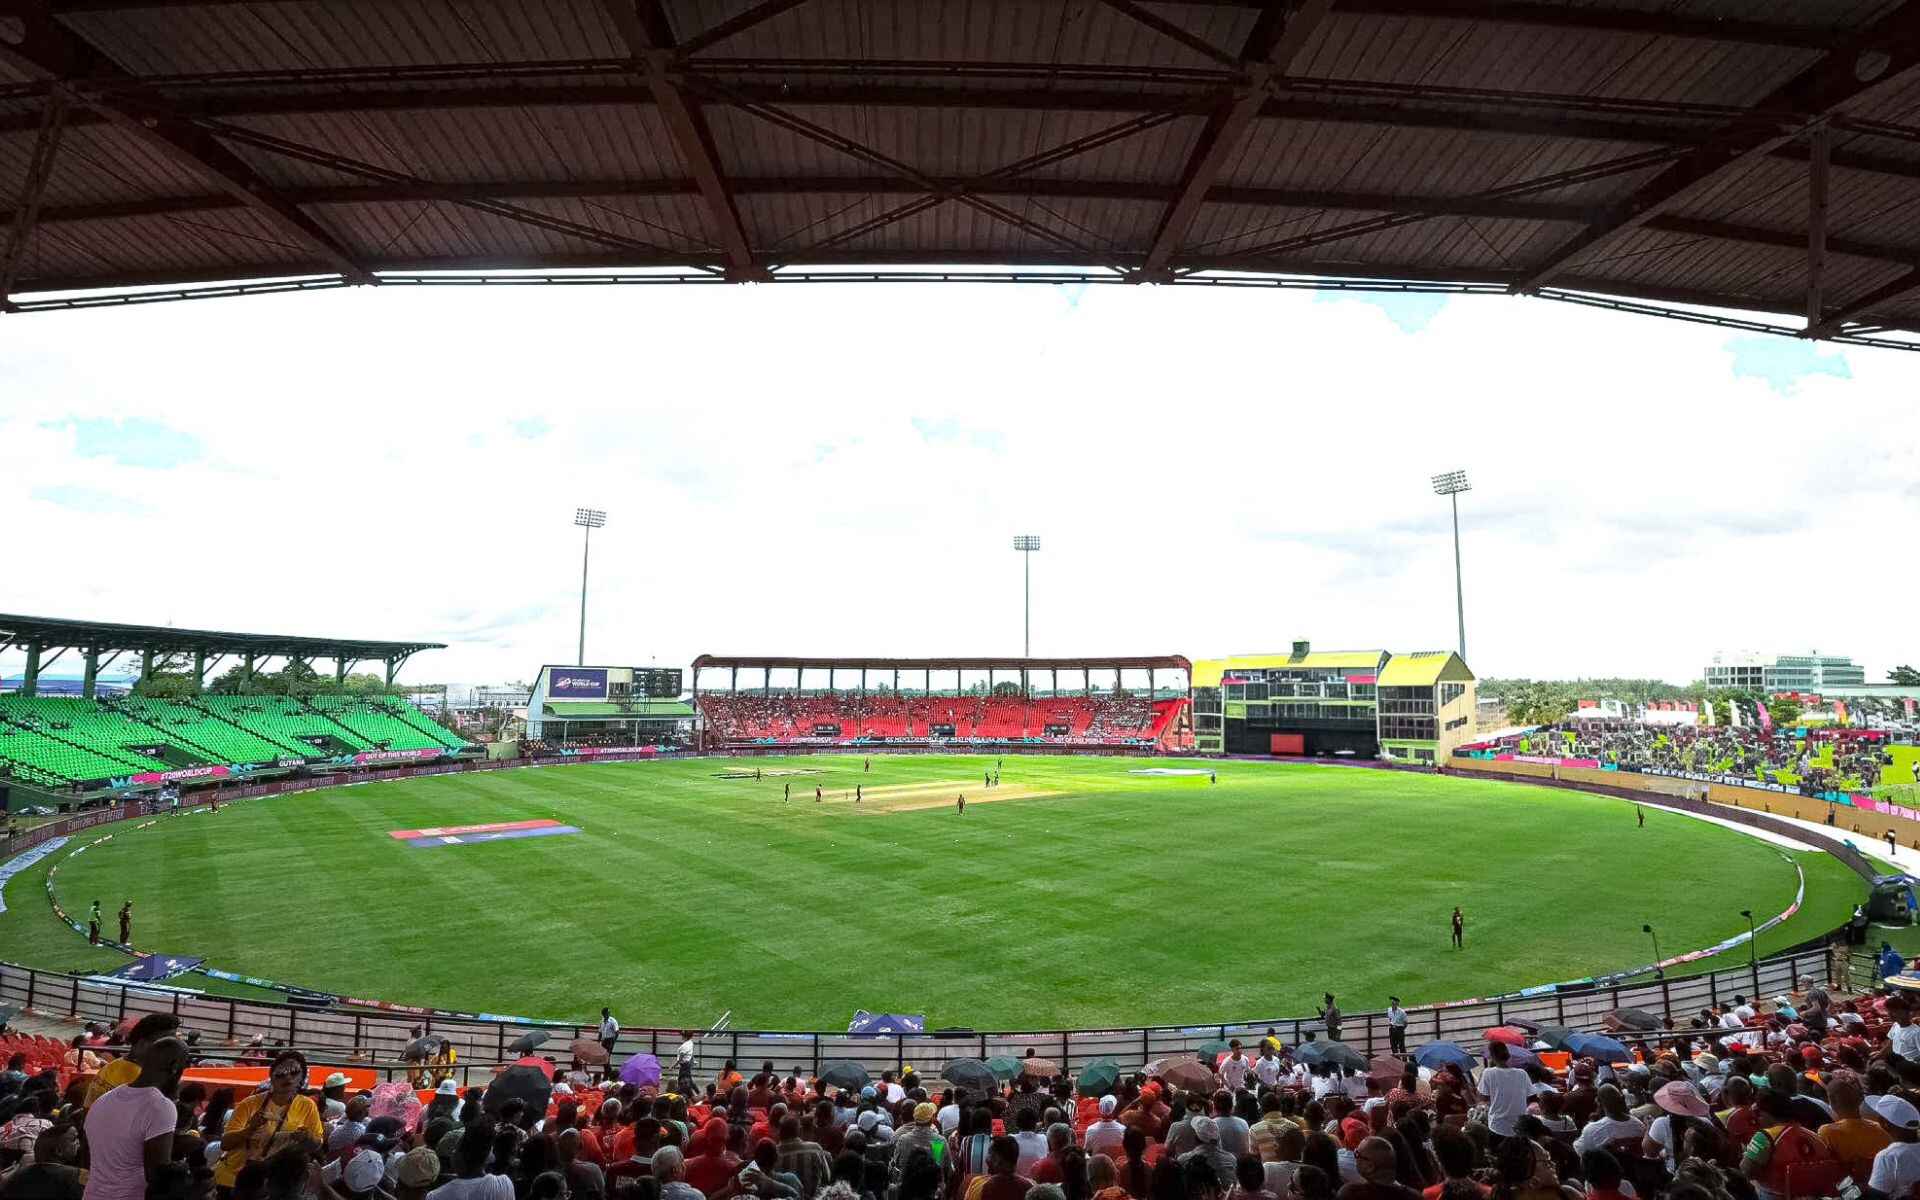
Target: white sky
838	470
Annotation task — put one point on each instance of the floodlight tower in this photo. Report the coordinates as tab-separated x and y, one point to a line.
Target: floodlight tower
1451	485
588	519
1026	544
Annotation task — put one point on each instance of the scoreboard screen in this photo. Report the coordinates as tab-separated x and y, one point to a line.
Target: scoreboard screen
661	683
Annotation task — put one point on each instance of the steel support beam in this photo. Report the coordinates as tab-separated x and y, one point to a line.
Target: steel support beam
644	27
47	48
1822	147
1866	65
1282	29
1896	289
26	210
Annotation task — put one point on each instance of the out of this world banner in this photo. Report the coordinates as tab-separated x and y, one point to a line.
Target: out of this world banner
577	683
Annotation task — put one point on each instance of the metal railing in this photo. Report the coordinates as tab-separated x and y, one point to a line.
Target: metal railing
374	1038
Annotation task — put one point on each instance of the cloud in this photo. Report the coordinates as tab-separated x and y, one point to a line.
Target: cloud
87	500
132	442
1410	312
532	428
1784	363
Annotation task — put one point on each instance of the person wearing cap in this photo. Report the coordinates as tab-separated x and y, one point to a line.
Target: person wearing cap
362	1176
1896	1169
920	1135
417	1174
351	1125
1208	1151
333	1098
1104	1135
1854	1139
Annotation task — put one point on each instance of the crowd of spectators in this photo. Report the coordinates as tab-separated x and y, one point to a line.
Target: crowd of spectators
1746	752
1802	1097
844	716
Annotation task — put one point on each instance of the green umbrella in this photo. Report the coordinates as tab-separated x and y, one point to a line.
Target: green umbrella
1004	1066
1555	1036
1098	1077
1210	1052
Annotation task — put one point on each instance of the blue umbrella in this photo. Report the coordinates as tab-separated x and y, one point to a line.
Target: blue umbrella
1592	1045
1519	1056
1435	1055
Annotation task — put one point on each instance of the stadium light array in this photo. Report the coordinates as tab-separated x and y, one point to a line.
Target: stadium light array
588	519
1450	484
1026	544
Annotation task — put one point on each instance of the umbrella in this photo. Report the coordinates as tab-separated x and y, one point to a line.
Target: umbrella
7	1013
1592	1045
1555	1036
588	1052
1003	1066
1520	1056
1507	1034
1332	1053
1211	1051
1097	1077
1039	1068
642	1070
422	1048
526	1042
520	1082
1434	1055
395	1098
843	1073
1635	1018
973	1075
1184	1073
1525	1026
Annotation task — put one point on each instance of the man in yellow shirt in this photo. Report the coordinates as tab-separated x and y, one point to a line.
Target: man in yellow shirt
1853	1139
124	1070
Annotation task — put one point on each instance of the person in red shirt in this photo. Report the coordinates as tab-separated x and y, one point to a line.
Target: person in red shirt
710	1164
1002	1182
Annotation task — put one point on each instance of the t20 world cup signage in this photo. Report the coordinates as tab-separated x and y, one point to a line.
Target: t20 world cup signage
577	683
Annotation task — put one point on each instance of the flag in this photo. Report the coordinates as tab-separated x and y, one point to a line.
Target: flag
1765	718
1839	712
1706	712
1733	713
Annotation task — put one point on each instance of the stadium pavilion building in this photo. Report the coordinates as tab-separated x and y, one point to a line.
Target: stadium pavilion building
1412	708
629	706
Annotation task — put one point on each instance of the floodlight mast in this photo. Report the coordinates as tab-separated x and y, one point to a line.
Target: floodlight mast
1026	544
588	519
1450	485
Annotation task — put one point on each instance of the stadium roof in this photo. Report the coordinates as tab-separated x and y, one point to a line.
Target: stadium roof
1170	662
1208	671
1743	154
102	635
1423	669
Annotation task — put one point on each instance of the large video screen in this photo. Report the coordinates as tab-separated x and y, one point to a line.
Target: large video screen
577	683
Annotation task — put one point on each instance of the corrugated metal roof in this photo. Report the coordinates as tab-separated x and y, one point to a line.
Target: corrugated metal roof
1556	143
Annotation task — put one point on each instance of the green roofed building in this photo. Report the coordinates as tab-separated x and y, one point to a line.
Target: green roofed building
1412	708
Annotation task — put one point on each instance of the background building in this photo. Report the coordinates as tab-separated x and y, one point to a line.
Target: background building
1360	703
609	706
1751	672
